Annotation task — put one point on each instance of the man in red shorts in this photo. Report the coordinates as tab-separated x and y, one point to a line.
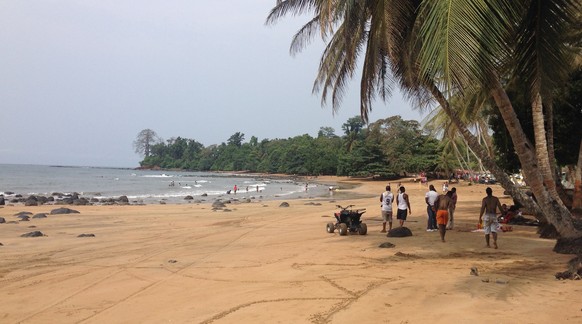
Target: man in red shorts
442	205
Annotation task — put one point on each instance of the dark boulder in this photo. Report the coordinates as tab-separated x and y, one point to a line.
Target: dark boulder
399	232
63	211
123	199
188	197
81	202
2	220
23	218
31	202
33	234
2	201
86	235
284	204
386	245
23	213
39	215
218	204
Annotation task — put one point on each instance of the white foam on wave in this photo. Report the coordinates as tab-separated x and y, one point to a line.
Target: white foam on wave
163	175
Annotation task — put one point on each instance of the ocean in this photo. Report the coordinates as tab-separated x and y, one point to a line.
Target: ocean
149	186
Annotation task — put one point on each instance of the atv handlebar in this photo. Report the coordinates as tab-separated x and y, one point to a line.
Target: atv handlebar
363	210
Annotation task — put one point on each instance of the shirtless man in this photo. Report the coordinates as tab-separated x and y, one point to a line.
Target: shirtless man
489	206
442	205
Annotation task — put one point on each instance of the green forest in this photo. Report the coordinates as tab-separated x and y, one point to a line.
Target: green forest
386	148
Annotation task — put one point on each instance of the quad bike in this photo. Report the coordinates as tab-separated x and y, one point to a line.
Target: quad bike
348	220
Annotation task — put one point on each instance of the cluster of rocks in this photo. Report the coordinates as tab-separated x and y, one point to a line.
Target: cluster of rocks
25	216
57	198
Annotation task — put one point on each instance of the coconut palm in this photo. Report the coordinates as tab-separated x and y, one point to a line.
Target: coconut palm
385	33
444	48
476	41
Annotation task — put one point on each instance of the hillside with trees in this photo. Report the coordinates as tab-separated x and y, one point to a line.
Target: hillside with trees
389	147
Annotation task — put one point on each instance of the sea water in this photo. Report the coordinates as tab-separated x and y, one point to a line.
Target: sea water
148	186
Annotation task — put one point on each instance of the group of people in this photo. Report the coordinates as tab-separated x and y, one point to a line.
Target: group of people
402	203
440	211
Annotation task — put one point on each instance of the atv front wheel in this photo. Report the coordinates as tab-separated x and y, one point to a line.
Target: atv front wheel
330	227
363	229
343	229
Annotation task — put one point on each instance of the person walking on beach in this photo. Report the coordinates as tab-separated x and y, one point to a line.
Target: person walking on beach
489	206
445	187
452	208
442	205
430	197
403	205
235	189
386	199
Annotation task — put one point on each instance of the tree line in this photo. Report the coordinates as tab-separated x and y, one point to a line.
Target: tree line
387	148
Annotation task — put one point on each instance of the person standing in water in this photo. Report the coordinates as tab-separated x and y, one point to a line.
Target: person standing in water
489	206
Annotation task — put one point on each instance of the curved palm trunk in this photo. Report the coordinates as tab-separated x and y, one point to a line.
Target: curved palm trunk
485	158
554	211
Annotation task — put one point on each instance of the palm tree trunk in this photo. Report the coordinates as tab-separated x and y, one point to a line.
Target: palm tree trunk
473	144
577	201
541	148
555	212
549	117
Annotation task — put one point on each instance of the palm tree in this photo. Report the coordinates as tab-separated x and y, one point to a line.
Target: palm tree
443	49
536	49
387	33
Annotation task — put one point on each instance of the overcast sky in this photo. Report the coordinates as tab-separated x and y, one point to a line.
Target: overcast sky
79	79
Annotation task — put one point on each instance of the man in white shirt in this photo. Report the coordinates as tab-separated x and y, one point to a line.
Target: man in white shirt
430	197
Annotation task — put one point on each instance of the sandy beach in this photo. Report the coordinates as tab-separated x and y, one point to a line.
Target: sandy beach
261	263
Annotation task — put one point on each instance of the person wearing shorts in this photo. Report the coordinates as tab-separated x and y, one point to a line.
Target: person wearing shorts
442	205
386	199
403	205
489	207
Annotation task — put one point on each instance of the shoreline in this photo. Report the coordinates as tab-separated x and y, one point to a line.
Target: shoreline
322	190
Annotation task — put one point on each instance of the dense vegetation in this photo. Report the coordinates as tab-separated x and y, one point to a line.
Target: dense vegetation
388	147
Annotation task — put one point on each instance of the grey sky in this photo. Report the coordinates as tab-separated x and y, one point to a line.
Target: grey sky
80	78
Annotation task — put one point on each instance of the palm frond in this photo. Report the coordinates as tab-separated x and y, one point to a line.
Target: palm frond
462	40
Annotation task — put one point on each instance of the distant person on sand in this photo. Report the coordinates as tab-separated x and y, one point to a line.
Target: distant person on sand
489	206
386	199
442	205
403	205
452	208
